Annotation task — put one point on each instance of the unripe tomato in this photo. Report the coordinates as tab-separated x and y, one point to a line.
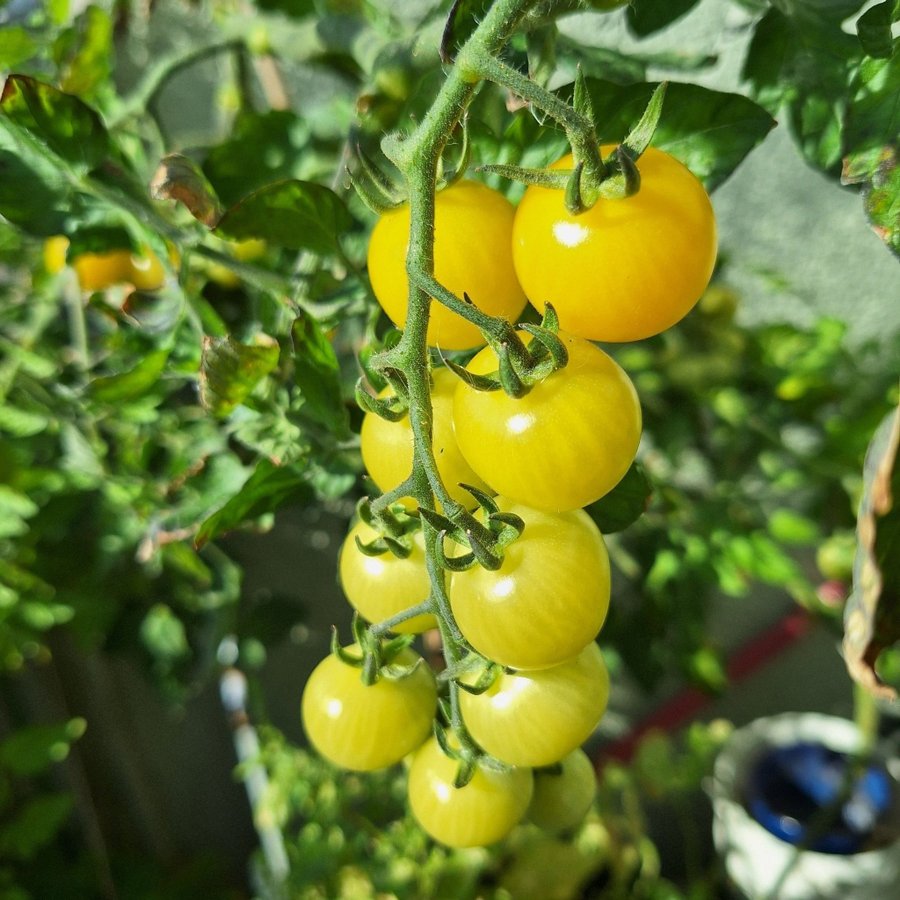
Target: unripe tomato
472	255
561	446
547	600
625	269
366	727
562	799
387	447
538	718
384	585
482	812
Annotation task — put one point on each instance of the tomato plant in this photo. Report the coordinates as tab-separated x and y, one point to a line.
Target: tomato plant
562	446
472	255
387	447
381	586
98	271
537	718
627	268
548	598
563	794
482	812
366	727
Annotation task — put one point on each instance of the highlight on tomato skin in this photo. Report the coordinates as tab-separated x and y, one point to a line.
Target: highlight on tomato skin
472	255
563	445
379	587
479	814
546	601
537	718
625	269
367	727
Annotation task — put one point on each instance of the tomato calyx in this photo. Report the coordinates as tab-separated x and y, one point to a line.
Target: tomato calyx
486	540
520	366
395	526
378	191
392	408
377	655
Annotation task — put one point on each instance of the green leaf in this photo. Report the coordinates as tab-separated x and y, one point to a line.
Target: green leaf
179	178
35	825
61	122
34	748
15	510
873	113
317	375
230	370
261	149
83	52
647	16
298	215
134	383
709	131
267	489
163	634
874	28
21	422
16	45
625	503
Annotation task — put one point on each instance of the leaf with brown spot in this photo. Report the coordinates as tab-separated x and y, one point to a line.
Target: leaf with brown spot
872	617
180	178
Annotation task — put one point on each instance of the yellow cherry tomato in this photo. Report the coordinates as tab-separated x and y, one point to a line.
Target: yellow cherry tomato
625	269
387	447
55	253
472	255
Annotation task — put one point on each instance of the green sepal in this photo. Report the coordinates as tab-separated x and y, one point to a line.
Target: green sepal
550	319
626	181
398	673
373	199
440	734
397	380
338	650
485	501
383	544
507	527
389	649
442	524
383	183
573	199
464	773
553	769
639	137
581	98
485	555
452	563
495	765
462	163
445	713
393	409
558	355
476	382
555	179
488	676
510	380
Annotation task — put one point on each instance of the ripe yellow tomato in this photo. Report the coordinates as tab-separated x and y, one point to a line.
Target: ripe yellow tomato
98	271
387	447
384	585
472	255
561	446
625	269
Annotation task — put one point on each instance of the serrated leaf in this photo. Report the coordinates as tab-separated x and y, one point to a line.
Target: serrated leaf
230	370
462	20
648	16
874	28
872	615
179	178
266	490
129	385
299	215
709	131
61	122
317	375
624	504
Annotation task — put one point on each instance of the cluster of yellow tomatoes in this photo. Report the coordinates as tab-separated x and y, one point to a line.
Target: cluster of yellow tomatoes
621	271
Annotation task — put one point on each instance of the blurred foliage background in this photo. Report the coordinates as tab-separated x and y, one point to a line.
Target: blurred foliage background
159	437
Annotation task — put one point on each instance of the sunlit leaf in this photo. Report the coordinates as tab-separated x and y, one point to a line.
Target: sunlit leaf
62	122
230	370
874	28
180	178
135	382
